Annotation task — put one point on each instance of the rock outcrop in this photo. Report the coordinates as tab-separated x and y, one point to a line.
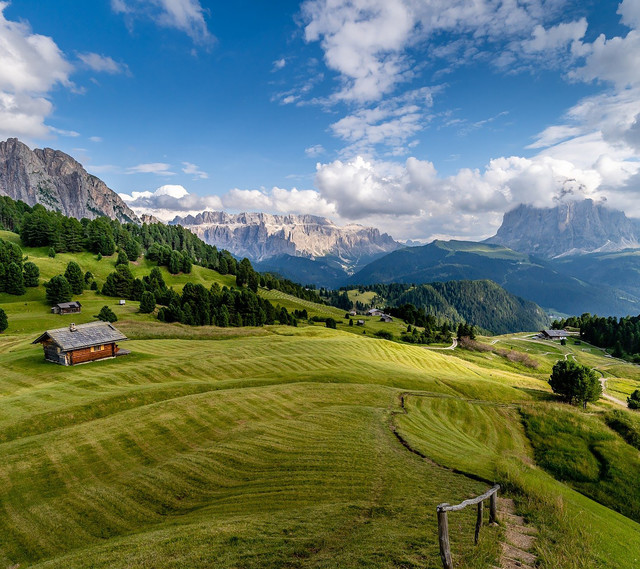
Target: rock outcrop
58	182
574	228
260	236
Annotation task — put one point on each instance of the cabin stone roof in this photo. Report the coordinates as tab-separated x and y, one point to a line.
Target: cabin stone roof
83	335
72	304
555	333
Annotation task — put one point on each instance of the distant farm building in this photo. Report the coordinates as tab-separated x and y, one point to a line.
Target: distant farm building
83	343
67	308
122	302
553	334
374	312
360	322
353	313
386	318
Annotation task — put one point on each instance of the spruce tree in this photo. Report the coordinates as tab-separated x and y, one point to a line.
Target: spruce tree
107	315
123	259
74	277
31	274
14	280
147	303
58	290
4	321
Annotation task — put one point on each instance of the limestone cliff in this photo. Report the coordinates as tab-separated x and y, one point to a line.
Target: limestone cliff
574	228
260	236
58	182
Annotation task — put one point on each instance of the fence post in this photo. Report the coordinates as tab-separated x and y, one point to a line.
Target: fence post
478	522
493	508
443	538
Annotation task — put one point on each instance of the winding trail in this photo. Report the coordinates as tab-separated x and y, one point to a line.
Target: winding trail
453	346
603	382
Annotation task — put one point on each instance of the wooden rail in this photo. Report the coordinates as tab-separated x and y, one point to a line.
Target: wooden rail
443	521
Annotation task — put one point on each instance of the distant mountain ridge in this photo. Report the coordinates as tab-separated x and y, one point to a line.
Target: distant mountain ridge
58	182
261	236
543	282
574	228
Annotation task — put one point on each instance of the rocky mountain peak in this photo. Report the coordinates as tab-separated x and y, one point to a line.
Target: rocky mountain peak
58	182
572	228
261	236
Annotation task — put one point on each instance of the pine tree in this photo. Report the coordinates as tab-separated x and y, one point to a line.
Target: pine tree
31	274
147	303
122	258
74	277
14	280
175	262
58	290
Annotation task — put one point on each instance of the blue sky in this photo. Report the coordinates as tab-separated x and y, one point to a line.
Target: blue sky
426	118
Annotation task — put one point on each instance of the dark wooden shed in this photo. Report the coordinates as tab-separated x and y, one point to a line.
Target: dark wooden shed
73	307
83	343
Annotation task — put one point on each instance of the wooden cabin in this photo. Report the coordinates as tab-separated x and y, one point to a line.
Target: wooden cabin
83	343
553	334
73	307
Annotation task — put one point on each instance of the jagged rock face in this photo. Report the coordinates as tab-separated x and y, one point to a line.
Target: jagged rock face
573	228
58	182
260	236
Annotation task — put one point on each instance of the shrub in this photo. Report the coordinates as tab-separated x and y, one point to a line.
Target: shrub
107	315
4	321
384	334
633	401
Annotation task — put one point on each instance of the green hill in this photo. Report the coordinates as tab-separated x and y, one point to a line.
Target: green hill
540	281
281	447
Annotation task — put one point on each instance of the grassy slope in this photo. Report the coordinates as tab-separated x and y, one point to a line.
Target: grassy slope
266	447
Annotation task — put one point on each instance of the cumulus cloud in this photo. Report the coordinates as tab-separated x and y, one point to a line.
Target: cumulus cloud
188	16
159	168
170	200
193	170
31	65
102	63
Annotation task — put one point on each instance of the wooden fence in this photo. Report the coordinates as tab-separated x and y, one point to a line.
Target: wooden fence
443	521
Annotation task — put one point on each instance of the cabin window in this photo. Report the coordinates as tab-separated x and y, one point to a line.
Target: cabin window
97	348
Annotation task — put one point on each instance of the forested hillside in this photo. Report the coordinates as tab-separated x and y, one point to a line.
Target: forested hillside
481	303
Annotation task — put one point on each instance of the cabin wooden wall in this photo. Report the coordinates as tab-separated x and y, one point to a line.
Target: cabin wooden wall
86	355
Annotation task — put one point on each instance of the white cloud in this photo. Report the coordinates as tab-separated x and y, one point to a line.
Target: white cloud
159	168
95	138
31	65
170	200
314	151
279	200
187	16
102	63
69	133
193	170
279	64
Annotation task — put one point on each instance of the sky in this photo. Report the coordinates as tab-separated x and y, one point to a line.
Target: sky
424	118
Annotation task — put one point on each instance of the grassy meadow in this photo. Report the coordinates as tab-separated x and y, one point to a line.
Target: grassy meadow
279	446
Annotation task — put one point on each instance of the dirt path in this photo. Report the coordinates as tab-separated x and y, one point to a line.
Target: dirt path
453	346
519	538
603	382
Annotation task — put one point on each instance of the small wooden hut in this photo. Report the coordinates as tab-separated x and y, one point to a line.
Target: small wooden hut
73	307
82	343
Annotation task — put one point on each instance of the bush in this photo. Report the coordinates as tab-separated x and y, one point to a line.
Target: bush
330	323
4	321
384	334
107	315
52	252
633	401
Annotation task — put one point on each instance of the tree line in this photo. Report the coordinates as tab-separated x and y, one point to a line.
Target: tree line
16	274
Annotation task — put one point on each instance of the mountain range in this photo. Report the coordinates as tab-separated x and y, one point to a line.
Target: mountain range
573	258
262	236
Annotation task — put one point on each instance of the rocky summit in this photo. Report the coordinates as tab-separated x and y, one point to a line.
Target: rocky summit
58	182
573	228
260	236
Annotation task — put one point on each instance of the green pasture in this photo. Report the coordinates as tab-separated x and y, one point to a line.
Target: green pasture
290	447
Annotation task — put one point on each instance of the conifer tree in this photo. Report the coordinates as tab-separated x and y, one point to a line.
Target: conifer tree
31	274
14	280
58	290
107	315
4	321
74	277
147	302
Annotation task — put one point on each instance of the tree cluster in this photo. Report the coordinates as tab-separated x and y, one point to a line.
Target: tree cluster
16	275
575	383
223	307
